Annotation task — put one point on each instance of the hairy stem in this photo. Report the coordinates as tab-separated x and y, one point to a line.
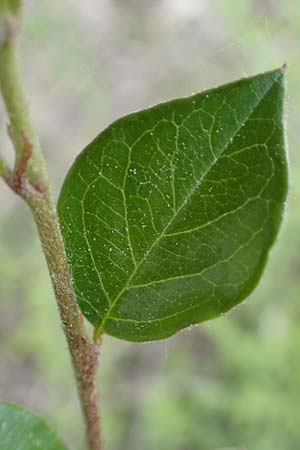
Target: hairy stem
29	180
84	353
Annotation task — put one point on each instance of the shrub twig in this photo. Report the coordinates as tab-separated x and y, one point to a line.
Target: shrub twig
29	180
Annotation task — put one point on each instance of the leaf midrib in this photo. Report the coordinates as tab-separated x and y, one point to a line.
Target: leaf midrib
134	272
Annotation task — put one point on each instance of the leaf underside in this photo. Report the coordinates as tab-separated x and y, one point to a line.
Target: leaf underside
22	430
168	215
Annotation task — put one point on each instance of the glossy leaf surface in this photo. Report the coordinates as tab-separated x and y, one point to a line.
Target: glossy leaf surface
169	214
22	430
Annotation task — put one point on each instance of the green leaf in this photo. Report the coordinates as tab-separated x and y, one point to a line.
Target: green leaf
169	214
22	430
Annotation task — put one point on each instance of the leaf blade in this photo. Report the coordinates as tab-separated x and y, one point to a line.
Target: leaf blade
161	187
22	430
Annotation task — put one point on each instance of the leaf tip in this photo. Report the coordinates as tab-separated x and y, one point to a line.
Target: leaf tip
284	67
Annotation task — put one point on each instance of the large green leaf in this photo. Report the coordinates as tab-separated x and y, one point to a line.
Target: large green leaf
22	430
169	214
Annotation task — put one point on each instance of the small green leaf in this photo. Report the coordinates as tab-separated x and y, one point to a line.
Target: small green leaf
22	430
169	214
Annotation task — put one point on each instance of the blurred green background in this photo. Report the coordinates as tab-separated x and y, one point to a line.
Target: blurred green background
230	383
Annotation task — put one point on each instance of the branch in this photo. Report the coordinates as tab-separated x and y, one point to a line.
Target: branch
17	179
29	180
5	172
12	91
